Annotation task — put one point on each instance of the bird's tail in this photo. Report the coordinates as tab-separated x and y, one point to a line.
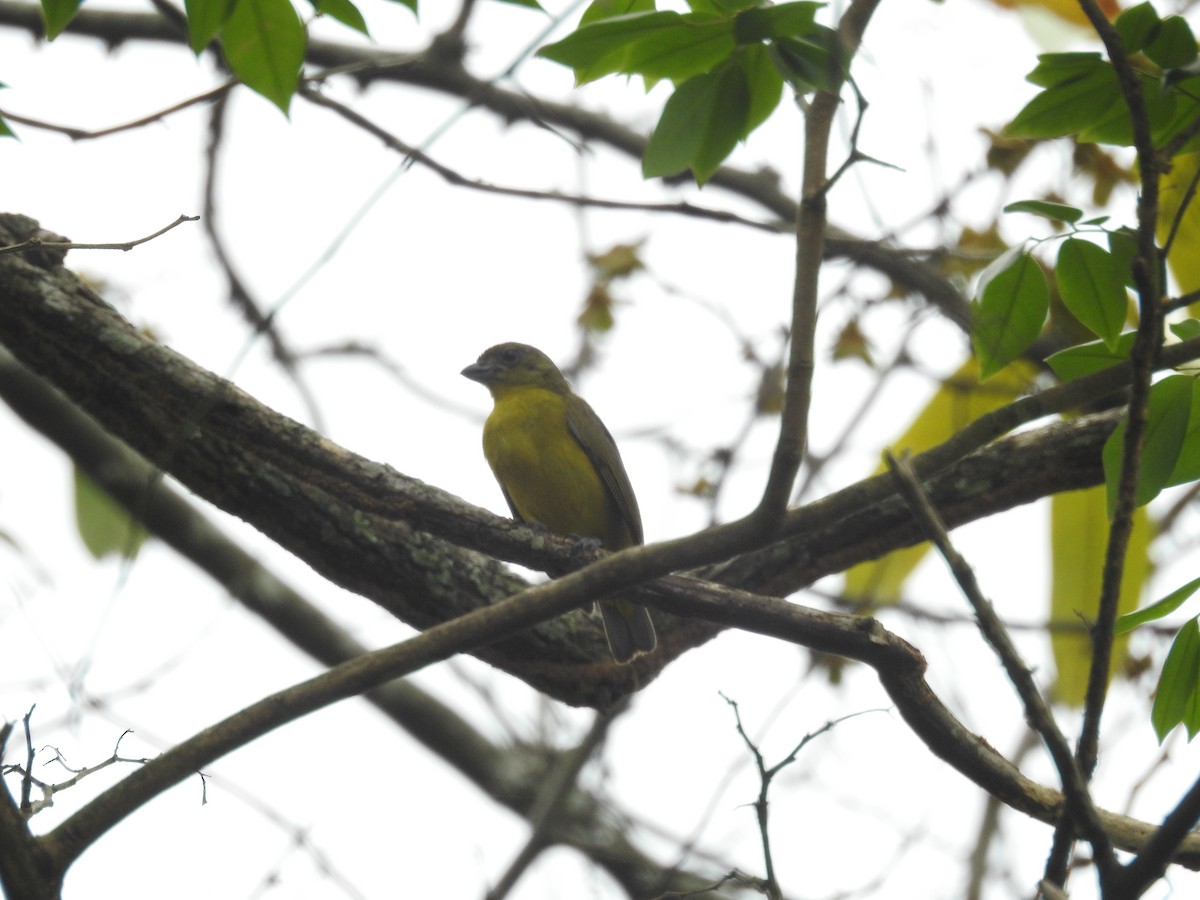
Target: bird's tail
628	628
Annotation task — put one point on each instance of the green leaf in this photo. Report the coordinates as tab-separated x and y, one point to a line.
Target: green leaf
764	83
1187	466
1136	26
813	62
1158	609
610	9
784	20
1010	312
700	125
1086	94
1173	45
1167	416
528	4
1084	359
1176	695
342	11
1186	330
1091	288
57	14
1122	244
205	19
105	526
1058	68
5	131
411	4
264	43
1057	211
655	45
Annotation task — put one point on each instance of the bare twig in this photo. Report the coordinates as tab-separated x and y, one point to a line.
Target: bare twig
811	226
766	774
557	788
459	180
83	134
39	243
1037	710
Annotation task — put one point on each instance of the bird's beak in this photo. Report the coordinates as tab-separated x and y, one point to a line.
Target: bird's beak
480	372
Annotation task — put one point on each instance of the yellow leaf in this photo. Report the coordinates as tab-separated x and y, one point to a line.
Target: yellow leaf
1067	10
1172	187
103	524
1078	538
959	401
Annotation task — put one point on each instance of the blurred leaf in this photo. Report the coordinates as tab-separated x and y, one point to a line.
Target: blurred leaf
1080	90
1057	211
656	45
851	343
597	314
783	20
57	15
1091	288
765	84
103	524
1167	417
205	18
971	254
1005	154
812	62
1079	530
1136	26
1172	45
1186	330
1122	244
959	400
1067	10
1173	188
342	11
264	42
618	261
5	131
1187	466
528	4
1176	700
1084	359
1010	312
769	397
700	125
1158	609
609	9
1104	170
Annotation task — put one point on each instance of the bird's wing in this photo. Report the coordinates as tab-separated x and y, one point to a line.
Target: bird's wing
597	443
511	506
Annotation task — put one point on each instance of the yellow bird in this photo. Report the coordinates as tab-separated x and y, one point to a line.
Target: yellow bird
560	468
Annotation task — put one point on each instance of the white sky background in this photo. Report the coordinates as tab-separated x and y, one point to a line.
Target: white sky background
432	275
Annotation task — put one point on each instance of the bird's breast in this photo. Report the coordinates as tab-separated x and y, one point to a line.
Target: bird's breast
547	475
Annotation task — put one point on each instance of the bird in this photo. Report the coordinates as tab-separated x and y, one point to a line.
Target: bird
559	467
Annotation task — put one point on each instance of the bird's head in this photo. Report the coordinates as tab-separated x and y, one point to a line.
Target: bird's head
516	365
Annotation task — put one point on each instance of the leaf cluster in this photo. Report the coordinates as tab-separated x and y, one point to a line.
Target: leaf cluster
263	41
727	59
1082	97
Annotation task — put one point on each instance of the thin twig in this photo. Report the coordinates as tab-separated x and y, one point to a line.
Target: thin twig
72	245
457	179
1143	357
83	134
557	788
1037	711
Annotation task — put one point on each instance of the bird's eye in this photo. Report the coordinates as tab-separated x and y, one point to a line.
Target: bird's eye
510	356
